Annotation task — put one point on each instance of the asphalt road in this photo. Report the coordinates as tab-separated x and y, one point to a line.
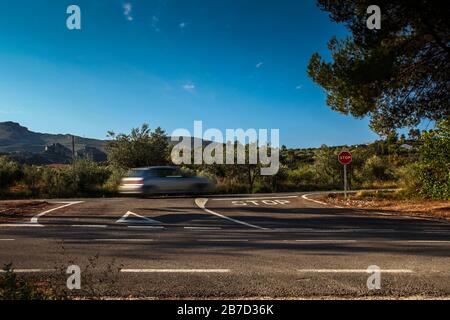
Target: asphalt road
277	245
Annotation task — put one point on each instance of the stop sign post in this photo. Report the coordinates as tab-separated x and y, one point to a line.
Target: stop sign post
345	158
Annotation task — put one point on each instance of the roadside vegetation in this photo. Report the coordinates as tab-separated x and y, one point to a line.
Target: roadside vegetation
418	164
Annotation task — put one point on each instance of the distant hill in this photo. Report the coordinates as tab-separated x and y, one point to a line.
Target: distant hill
31	147
16	138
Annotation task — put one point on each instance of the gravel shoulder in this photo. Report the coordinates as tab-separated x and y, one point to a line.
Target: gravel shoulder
16	210
437	209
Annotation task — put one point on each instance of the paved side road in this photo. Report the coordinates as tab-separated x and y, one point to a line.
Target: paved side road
277	245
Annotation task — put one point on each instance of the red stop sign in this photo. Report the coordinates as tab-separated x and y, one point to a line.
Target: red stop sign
345	157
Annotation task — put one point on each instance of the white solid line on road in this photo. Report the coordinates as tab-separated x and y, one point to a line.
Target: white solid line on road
323	241
222	240
69	203
21	224
146	227
254	198
203	228
89	225
428	241
305	196
201	202
111	240
175	270
353	271
29	270
310	230
7	239
143	219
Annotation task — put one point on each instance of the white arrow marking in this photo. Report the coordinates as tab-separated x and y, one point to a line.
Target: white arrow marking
143	219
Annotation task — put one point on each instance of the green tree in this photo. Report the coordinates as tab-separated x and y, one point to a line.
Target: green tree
434	167
10	173
397	75
328	169
140	148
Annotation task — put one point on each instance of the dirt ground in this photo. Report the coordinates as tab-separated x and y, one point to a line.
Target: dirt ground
13	210
420	208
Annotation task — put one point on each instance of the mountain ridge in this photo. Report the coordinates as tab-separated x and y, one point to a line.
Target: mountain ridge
17	138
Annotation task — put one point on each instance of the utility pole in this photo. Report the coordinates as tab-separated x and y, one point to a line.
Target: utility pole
73	149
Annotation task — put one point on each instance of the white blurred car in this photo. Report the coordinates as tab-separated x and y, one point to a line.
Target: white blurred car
163	180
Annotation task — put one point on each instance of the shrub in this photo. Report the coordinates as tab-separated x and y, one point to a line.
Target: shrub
434	167
10	173
112	183
375	169
14	288
88	176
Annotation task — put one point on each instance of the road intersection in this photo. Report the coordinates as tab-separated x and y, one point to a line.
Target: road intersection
274	245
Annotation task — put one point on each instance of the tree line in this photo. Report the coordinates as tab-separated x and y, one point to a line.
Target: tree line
420	164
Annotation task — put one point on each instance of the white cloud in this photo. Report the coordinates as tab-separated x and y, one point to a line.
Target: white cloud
127	9
155	23
182	25
259	65
299	87
189	87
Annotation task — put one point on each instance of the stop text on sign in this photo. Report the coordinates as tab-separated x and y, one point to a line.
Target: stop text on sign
345	157
260	202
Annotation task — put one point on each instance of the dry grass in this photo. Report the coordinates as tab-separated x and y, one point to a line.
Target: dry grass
11	210
439	209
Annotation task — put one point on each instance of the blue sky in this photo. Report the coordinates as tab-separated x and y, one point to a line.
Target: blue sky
229	63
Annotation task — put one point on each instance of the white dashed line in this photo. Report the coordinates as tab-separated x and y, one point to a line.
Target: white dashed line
222	240
112	240
89	225
146	227
29	270
175	270
353	271
21	224
203	228
325	241
428	241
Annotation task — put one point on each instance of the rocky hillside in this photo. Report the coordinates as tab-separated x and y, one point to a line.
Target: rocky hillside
16	138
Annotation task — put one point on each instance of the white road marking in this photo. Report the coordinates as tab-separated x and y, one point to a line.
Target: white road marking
305	196
7	239
21	224
254	198
358	230
143	219
428	241
29	270
325	241
89	225
112	240
175	270
311	230
222	240
69	203
203	228
146	227
201	202
353	271
292	229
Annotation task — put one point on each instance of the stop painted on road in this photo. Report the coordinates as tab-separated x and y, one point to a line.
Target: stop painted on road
260	202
